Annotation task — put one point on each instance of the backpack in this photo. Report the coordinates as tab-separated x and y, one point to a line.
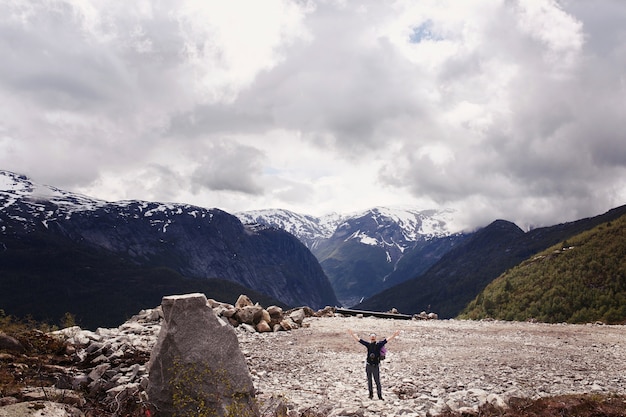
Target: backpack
383	353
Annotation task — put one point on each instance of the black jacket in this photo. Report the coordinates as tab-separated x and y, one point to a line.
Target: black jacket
373	350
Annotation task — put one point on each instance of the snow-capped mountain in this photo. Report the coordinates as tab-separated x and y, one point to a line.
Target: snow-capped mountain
365	252
394	227
195	242
360	253
307	228
37	204
16	190
379	226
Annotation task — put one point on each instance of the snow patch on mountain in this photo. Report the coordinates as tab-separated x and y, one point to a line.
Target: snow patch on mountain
46	203
294	223
380	226
308	229
363	238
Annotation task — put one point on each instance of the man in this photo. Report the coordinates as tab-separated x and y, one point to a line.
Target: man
372	368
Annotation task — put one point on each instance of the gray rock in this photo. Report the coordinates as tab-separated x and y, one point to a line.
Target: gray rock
243	301
275	312
98	371
8	401
38	409
64	396
288	324
265	316
249	314
248	328
197	364
227	312
10	343
263	327
297	316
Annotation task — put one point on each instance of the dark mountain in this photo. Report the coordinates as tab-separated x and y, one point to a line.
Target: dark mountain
366	252
419	258
45	276
580	280
462	273
187	242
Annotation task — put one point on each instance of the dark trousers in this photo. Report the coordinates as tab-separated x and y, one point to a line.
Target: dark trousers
373	371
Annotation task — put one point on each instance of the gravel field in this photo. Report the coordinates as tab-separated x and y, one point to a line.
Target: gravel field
432	365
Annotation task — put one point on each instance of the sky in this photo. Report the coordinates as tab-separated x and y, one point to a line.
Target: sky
499	109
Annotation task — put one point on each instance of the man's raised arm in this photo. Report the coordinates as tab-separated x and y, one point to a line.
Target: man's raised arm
394	335
353	335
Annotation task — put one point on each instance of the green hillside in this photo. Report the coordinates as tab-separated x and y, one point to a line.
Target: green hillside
581	280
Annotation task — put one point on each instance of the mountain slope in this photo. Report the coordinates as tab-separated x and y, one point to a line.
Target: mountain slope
363	253
310	230
577	281
449	285
421	257
192	241
45	276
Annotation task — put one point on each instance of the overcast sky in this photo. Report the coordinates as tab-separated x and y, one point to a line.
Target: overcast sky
512	109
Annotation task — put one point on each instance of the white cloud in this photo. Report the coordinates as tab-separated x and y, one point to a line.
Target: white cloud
558	31
507	108
229	166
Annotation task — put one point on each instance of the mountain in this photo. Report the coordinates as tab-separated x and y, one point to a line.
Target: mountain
310	230
44	276
189	241
580	280
366	252
462	273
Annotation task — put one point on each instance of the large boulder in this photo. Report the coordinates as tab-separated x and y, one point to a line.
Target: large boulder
196	366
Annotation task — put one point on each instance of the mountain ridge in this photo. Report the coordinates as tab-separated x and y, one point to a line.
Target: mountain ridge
462	273
366	251
414	223
372	259
193	241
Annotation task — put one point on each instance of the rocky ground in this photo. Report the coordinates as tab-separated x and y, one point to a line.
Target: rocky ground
433	365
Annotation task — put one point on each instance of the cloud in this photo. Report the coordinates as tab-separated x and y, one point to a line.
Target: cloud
229	166
501	109
531	131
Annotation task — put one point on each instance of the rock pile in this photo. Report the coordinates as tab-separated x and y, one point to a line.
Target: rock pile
106	366
110	365
253	317
426	316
